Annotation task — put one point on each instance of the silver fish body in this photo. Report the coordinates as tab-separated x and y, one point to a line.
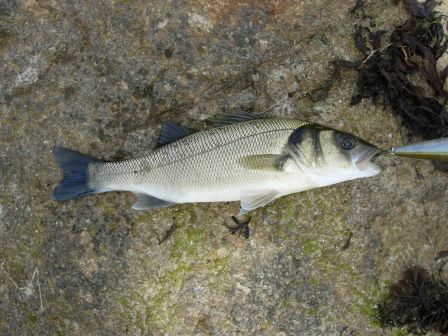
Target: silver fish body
254	162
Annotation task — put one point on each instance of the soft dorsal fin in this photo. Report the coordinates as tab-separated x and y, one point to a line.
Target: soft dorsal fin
145	202
171	132
228	119
256	199
271	162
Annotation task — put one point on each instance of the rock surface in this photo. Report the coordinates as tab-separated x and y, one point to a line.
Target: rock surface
98	77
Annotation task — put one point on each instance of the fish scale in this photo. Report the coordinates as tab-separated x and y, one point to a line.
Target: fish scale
203	161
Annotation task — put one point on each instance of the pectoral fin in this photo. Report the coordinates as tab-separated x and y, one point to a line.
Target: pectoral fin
145	202
271	162
256	199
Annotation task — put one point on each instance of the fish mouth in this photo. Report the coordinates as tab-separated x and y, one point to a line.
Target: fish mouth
364	162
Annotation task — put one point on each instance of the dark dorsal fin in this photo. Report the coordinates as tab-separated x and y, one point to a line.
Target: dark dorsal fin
171	132
228	119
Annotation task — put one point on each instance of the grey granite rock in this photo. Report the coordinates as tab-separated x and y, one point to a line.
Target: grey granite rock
98	77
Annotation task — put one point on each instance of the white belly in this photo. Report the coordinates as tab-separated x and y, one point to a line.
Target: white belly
283	184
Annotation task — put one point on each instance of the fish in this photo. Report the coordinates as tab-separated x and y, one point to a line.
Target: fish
245	158
436	149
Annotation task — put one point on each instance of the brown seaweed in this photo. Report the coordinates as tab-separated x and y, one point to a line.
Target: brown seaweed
418	301
384	73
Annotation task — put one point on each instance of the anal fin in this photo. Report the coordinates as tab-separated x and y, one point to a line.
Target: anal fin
145	202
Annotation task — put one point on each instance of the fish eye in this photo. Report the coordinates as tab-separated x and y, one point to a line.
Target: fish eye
346	141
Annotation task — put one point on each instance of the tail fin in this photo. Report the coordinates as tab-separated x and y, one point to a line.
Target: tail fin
75	167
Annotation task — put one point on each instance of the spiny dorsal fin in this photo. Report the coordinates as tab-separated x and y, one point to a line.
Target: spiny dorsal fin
256	199
271	162
228	119
145	202
171	132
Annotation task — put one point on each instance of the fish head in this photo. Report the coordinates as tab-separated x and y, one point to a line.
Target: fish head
330	156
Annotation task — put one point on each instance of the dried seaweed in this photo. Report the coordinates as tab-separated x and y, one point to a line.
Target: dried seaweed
384	75
418	301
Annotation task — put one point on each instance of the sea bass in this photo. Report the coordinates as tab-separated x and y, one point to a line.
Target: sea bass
245	158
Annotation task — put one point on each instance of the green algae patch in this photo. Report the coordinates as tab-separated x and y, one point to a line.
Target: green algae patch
106	206
156	304
293	210
162	307
187	242
366	302
153	304
218	270
190	263
400	332
309	246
